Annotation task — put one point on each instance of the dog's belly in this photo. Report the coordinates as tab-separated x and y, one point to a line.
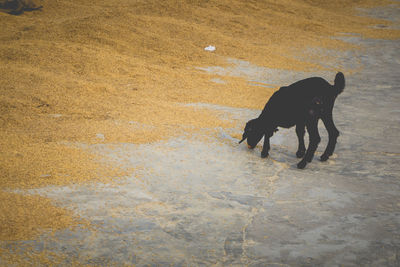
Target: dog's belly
287	120
287	124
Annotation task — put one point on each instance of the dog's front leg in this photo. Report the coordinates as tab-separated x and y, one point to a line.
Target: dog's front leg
266	147
300	136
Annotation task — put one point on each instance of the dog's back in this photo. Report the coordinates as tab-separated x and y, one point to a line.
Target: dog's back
292	103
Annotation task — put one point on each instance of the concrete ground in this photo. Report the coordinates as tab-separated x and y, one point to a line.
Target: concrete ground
215	203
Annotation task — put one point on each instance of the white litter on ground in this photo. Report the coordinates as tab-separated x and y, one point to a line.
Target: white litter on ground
210	48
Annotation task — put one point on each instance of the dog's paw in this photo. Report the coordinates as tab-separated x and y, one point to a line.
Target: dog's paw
301	164
264	154
324	157
300	153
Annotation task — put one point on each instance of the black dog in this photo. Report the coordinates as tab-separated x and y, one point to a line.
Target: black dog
302	104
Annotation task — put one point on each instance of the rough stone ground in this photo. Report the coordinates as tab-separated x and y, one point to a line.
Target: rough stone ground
201	202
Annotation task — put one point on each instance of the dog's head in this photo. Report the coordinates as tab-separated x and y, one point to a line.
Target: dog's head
253	132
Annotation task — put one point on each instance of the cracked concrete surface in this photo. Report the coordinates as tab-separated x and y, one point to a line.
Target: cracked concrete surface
216	203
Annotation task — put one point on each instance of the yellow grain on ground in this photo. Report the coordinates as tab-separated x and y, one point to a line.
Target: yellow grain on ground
27	256
101	71
24	216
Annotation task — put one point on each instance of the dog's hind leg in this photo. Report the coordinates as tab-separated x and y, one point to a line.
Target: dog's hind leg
300	130
333	135
312	129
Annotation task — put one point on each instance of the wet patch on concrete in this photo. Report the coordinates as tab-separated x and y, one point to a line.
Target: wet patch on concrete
185	199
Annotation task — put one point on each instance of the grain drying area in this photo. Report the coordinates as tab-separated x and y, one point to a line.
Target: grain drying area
119	131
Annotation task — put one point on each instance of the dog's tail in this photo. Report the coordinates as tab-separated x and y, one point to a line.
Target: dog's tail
339	83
